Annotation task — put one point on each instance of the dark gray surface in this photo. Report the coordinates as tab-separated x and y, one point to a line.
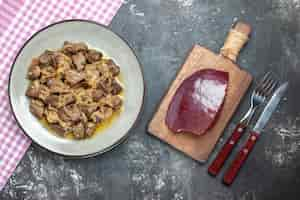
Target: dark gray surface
161	32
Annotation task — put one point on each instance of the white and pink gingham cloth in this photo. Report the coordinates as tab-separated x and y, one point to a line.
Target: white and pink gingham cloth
19	19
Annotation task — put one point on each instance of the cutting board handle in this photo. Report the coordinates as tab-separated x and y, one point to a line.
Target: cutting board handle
236	39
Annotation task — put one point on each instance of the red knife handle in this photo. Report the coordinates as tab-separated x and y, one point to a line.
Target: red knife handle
222	156
239	160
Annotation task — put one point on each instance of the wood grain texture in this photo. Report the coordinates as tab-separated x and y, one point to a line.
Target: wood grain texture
199	147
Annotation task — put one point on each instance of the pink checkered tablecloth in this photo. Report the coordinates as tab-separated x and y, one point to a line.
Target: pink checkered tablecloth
19	19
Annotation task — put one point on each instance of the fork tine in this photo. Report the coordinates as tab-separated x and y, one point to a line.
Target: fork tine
266	87
271	89
265	77
264	80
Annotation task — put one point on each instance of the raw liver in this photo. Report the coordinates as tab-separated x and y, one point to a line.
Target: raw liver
197	102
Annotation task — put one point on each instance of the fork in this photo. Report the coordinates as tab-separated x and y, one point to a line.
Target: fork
259	95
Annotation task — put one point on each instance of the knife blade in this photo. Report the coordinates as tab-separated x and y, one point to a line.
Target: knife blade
270	108
266	114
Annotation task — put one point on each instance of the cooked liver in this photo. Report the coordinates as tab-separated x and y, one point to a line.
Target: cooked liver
93	56
46	58
34	72
37	107
73	77
56	85
74	89
79	60
33	89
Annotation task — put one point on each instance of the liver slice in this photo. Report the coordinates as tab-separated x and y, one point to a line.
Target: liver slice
197	101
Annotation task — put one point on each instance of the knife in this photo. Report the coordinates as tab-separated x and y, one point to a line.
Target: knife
239	160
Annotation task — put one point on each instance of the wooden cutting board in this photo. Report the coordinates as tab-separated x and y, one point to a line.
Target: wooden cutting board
199	147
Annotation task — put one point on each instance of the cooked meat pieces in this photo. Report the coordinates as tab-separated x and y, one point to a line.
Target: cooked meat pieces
57	86
105	84
114	69
62	63
37	90
110	86
58	129
43	93
67	126
46	58
71	113
92	75
60	60
68	48
73	77
33	89
66	99
80	46
51	116
106	112
83	96
91	67
90	129
79	60
59	101
47	73
53	100
103	113
37	108
72	48
88	109
116	88
93	56
63	115
78	131
96	117
73	89
103	69
114	102
84	118
34	72
34	62
97	94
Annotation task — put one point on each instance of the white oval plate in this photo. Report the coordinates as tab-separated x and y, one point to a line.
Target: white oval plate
96	36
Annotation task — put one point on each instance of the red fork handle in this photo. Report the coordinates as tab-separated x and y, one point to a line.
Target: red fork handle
222	156
239	160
